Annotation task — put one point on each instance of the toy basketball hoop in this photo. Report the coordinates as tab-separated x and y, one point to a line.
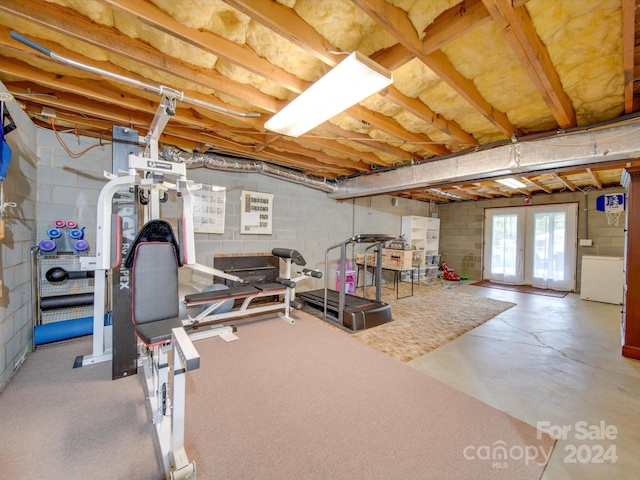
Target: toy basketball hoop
612	204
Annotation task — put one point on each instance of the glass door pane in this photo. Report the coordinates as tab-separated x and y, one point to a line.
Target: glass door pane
549	246
504	245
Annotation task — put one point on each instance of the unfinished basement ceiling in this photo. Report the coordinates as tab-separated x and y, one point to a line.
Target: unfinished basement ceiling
469	76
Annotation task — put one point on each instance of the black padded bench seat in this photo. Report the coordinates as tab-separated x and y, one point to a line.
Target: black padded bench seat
269	287
156	333
234	293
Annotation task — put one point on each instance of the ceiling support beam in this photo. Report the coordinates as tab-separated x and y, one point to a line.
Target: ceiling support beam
628	47
518	29
397	23
538	184
594	178
588	148
564	181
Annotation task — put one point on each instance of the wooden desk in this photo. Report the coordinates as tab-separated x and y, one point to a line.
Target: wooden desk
397	272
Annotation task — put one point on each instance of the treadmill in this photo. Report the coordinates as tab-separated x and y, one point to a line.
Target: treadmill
351	312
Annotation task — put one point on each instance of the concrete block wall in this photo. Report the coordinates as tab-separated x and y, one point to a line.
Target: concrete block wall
20	187
608	240
68	187
304	218
49	183
462	229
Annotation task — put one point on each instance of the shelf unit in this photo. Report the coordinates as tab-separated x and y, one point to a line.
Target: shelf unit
69	319
423	234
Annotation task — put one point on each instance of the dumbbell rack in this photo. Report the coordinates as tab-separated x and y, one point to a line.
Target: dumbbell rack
53	324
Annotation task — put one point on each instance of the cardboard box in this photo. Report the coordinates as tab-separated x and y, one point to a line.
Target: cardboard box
397	259
371	258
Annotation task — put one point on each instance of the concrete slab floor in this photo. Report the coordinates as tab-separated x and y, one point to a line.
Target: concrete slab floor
554	363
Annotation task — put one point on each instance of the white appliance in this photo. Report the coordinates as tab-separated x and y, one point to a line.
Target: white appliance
602	279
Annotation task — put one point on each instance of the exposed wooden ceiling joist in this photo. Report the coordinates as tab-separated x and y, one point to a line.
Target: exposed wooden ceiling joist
445	101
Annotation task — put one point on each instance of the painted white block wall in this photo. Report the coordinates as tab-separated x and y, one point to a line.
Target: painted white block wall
20	187
304	218
48	184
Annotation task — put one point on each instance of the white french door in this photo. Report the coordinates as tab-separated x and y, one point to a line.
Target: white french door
534	245
504	245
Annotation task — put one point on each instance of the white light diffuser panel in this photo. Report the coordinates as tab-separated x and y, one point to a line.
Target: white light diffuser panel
351	81
511	182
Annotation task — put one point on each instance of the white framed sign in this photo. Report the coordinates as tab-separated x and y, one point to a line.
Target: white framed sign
256	213
208	209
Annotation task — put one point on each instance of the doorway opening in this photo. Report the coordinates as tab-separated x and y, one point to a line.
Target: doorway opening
532	245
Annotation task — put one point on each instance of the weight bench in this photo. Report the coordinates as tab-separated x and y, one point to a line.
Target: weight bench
284	286
235	293
246	292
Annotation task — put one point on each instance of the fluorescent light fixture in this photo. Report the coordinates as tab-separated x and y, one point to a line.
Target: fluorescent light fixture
511	182
351	81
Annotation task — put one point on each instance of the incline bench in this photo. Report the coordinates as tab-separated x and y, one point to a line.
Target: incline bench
284	285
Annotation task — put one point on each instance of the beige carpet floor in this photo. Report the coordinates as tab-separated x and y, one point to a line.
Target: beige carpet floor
306	401
428	319
63	423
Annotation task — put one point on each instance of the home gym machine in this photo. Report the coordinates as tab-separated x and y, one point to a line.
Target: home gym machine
148	174
142	309
346	310
109	256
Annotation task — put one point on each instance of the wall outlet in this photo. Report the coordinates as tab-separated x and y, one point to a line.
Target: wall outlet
586	242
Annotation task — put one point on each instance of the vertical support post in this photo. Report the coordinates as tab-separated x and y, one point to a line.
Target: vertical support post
188	236
178	400
379	272
153	208
185	358
125	204
290	294
341	294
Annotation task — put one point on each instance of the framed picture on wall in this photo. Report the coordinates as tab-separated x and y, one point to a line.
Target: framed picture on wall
208	209
256	213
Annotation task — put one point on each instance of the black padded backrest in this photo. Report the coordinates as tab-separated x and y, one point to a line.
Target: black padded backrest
154	277
153	231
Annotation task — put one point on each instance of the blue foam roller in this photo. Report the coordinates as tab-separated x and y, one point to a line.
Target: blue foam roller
56	331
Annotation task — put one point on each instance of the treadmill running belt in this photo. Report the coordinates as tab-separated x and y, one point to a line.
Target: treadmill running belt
358	314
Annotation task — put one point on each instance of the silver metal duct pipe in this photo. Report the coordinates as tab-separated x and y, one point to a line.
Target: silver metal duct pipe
584	149
218	162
